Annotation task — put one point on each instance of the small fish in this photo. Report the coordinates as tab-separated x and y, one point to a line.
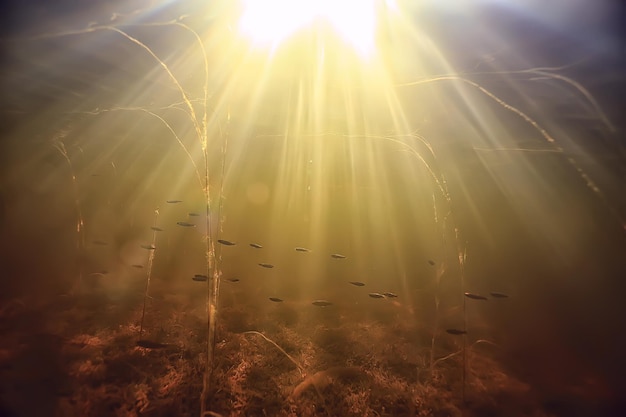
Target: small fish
475	296
192	214
322	303
301	249
156	229
357	283
390	295
148	247
256	245
185	224
498	295
200	278
266	265
276	300
149	344
376	295
100	242
456	332
226	242
174	201
137	266
103	272
337	256
431	262
232	279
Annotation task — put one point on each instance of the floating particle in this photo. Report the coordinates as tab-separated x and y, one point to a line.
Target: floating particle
256	245
156	229
498	295
376	295
431	262
200	278
137	266
357	283
276	299
232	279
456	332
264	265
322	303
149	344
301	249
148	247
390	295
337	256
475	296
174	201
192	214
225	242
100	242
185	224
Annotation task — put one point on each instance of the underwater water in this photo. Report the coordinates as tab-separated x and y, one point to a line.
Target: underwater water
189	226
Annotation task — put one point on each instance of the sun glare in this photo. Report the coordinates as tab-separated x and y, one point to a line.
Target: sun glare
268	23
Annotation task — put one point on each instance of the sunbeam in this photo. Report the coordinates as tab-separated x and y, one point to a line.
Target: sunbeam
291	207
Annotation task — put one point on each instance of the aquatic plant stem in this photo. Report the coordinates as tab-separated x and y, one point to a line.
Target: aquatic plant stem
462	253
213	270
300	369
149	271
80	224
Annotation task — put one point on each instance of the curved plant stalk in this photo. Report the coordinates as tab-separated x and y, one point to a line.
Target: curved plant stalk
215	274
462	253
589	183
300	368
149	271
201	129
80	223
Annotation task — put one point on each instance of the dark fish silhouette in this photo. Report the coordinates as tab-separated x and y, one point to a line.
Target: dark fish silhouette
137	266
475	296
498	295
174	201
456	332
232	279
192	214
322	303
301	249
225	242
337	256
390	295
100	242
376	295
185	224
156	229
276	300
266	265
200	277
148	247
357	283
256	245
431	262
149	344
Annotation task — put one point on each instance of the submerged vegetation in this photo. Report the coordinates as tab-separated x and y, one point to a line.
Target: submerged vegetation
357	263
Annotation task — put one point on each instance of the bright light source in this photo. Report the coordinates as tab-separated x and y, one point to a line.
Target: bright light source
270	22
